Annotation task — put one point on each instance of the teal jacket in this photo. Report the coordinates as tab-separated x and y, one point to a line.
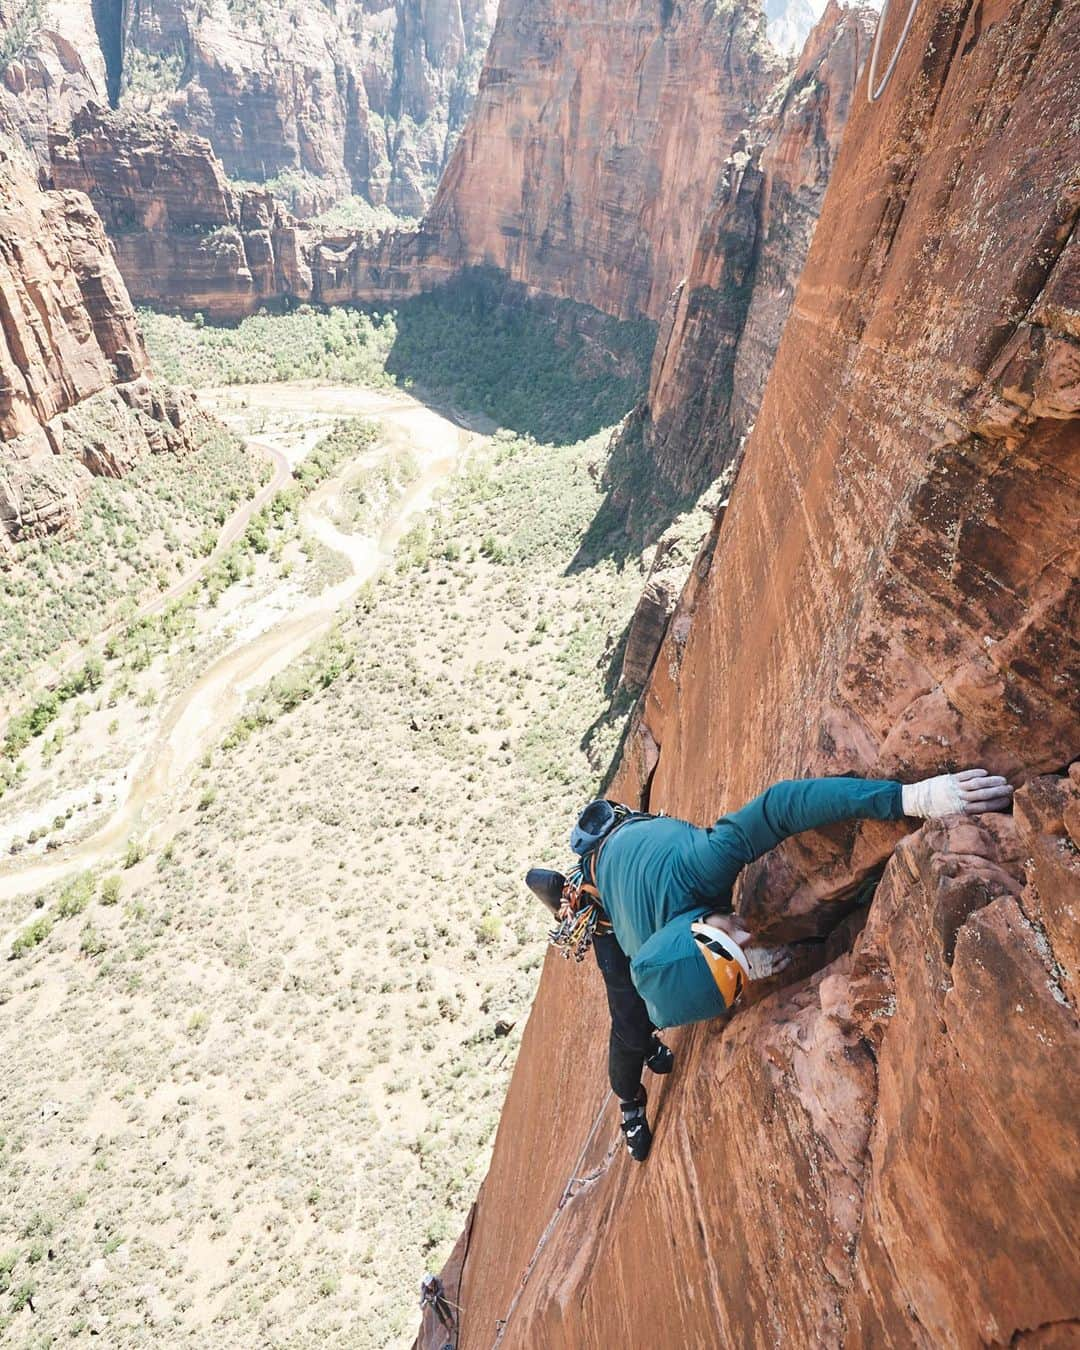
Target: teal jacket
651	871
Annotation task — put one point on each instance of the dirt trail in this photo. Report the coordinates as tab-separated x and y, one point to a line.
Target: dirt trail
200	715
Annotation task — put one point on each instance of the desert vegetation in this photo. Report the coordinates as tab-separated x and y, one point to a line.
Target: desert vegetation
271	1049
558	374
136	536
271	1034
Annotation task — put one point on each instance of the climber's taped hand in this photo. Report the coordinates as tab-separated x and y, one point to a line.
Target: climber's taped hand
949	794
763	962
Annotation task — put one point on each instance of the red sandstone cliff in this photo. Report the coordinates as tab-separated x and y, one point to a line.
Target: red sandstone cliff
67	335
590	154
367	100
584	170
51	65
185	237
880	1153
718	343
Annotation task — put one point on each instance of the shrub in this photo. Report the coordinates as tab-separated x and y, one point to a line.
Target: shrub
75	896
32	936
110	890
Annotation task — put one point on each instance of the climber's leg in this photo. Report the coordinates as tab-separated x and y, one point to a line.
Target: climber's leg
632	1039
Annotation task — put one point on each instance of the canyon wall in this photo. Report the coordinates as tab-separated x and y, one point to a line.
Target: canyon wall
69	343
726	318
590	155
51	65
367	99
188	238
584	170
878	1150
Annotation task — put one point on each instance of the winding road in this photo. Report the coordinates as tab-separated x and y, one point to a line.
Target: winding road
201	713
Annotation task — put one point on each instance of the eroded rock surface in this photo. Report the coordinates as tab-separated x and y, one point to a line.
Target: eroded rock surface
67	322
187	238
74	398
365	99
183	235
878	1153
54	67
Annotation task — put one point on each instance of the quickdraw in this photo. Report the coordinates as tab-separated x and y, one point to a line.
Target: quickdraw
583	920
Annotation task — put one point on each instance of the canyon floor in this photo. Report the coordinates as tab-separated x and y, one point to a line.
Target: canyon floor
270	951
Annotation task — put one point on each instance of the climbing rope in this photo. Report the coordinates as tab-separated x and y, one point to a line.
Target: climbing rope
872	93
568	1192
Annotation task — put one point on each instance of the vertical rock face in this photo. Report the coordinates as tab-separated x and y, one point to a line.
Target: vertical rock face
709	374
68	337
590	153
52	65
187	238
367	98
183	235
68	325
881	1152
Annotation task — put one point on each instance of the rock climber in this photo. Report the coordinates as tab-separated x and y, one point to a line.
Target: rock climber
433	1295
652	895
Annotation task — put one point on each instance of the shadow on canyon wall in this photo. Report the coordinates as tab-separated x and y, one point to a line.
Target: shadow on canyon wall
551	369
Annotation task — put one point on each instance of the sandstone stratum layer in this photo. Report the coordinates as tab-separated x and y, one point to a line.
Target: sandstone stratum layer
70	344
53	66
584	171
880	1152
188	238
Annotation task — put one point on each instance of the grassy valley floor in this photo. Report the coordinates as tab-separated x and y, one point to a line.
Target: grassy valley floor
257	1070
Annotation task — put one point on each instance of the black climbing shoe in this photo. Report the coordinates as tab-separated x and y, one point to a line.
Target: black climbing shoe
636	1129
661	1060
546	886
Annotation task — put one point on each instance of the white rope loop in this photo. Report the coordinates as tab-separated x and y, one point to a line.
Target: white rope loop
872	93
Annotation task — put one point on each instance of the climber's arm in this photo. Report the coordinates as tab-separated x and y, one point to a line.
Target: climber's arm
790	807
805	804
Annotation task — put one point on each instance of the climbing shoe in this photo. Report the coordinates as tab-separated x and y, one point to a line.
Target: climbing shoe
636	1128
661	1060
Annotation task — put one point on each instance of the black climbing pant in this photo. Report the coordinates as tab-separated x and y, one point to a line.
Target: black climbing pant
632	1039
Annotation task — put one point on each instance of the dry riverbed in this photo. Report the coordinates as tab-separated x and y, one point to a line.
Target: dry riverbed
124	762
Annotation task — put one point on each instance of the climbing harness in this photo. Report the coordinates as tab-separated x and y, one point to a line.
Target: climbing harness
872	93
581	913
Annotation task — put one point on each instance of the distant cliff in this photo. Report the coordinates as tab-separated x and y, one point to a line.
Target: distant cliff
368	100
365	100
584	171
188	238
591	151
67	335
881	1151
725	322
